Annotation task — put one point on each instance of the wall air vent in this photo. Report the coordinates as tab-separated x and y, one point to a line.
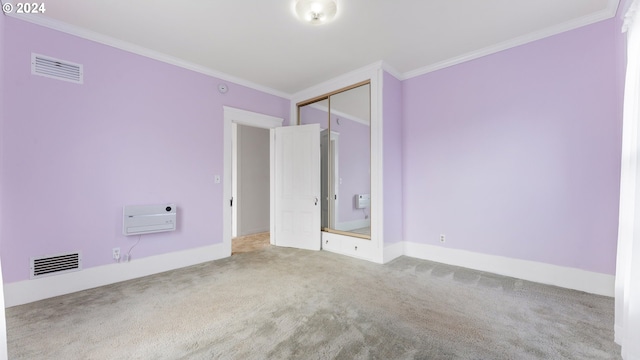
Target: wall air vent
55	68
55	265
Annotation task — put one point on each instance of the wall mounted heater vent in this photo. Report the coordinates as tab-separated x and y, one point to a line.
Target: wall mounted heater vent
56	69
55	265
362	201
145	219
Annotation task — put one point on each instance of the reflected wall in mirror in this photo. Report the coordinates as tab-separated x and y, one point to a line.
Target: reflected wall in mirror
344	118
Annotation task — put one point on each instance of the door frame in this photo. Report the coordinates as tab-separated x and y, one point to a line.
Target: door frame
374	73
249	118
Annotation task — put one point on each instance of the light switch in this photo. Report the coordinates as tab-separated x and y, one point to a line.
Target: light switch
217	179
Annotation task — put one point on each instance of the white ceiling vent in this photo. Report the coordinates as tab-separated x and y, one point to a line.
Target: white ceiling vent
55	68
54	265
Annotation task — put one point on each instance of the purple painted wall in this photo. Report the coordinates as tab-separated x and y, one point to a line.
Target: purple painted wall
392	158
2	116
138	131
517	154
3	323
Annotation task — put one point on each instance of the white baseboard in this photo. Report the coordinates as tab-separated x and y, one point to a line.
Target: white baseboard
393	251
617	334
629	356
571	278
27	291
255	231
620	339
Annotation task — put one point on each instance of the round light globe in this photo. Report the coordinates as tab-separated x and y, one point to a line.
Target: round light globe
316	11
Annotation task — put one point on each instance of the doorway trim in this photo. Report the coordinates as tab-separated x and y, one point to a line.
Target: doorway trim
244	117
373	73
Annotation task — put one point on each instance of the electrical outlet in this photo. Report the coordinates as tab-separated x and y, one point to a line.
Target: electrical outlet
441	237
116	254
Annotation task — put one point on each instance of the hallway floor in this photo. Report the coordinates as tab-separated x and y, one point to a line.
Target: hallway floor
248	243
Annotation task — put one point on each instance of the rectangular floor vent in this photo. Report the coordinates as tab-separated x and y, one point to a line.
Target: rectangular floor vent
55	265
56	69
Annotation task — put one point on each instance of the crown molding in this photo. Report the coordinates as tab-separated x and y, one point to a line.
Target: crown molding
391	70
140	50
352	77
607	13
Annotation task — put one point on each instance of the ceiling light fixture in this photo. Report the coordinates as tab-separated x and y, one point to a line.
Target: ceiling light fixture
316	11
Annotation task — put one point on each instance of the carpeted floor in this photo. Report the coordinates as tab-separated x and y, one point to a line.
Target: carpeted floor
279	303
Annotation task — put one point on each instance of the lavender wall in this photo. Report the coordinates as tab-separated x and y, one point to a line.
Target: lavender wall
392	158
3	322
517	154
2	117
138	131
2	95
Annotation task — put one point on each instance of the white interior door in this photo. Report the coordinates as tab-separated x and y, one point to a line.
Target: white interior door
298	186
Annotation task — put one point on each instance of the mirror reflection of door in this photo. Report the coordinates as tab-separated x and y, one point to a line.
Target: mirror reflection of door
344	118
330	173
317	113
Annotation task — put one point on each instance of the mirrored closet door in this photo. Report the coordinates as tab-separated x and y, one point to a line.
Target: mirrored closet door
344	118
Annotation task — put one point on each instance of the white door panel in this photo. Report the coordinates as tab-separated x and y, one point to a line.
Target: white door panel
298	186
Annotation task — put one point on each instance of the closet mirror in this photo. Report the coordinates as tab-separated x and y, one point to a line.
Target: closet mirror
344	119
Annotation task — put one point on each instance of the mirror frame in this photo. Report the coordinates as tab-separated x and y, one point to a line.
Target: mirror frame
327	96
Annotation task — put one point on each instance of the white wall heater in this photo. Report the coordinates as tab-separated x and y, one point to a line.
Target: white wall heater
363	201
145	219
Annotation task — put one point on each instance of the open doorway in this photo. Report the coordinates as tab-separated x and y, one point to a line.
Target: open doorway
233	116
250	188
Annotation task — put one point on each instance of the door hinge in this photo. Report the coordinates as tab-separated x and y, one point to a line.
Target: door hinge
231	202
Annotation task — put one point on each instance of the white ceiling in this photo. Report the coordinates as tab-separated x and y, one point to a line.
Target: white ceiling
260	43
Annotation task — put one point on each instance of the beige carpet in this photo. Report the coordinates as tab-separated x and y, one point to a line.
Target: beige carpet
280	303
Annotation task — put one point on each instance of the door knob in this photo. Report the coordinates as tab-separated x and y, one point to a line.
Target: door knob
316	203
